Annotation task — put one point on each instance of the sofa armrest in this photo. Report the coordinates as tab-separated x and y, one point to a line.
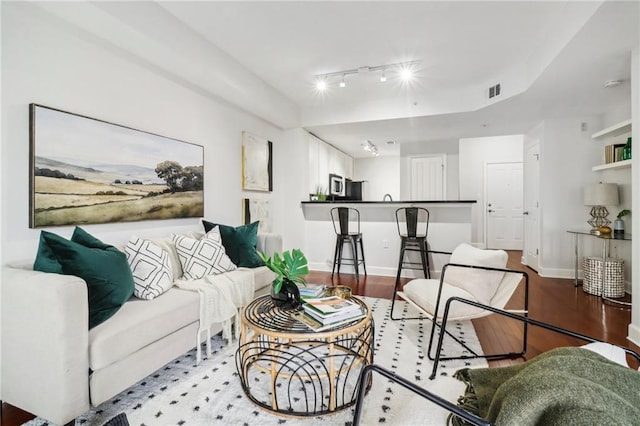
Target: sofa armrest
45	335
269	243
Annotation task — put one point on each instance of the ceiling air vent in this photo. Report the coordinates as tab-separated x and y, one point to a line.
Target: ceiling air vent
494	91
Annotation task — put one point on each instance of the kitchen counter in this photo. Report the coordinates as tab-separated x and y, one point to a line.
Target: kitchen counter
391	202
450	223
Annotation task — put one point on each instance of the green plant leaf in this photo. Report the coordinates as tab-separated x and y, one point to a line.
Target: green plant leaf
624	213
291	265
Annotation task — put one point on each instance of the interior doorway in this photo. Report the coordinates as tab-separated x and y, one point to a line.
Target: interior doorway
504	206
428	177
531	252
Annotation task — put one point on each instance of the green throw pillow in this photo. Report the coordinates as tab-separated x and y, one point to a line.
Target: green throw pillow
104	268
46	260
239	243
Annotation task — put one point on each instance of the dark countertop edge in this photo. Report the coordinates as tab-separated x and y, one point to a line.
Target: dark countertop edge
391	202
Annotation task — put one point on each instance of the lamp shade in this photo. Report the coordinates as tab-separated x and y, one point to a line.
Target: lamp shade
601	194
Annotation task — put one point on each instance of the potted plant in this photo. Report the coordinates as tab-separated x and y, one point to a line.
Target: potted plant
320	194
618	224
290	269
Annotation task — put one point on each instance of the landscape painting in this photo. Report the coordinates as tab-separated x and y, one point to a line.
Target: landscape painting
84	170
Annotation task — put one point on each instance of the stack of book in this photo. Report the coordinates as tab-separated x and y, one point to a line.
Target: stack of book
311	290
613	153
327	312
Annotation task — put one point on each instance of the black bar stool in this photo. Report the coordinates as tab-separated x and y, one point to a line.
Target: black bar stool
413	226
345	219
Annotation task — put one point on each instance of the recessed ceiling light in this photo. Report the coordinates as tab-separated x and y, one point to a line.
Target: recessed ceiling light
391	142
612	83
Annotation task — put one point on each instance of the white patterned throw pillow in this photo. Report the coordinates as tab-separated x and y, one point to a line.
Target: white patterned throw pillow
150	266
201	257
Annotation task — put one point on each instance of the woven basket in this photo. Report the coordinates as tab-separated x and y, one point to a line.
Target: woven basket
613	276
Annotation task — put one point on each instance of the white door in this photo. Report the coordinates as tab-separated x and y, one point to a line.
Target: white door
427	178
531	205
505	226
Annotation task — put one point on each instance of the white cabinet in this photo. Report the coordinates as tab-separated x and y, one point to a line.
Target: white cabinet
312	144
323	165
620	129
324	160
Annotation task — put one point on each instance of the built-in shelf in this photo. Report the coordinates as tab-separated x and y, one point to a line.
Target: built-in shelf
615	130
615	165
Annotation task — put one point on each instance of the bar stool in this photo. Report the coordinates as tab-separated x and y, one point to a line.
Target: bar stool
413	225
346	224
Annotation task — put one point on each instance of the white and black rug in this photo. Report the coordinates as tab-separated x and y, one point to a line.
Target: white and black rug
182	393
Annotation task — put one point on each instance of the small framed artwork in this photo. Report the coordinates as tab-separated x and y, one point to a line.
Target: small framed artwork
256	163
84	170
256	209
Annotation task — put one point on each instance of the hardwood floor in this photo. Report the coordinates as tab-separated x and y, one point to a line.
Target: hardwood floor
551	300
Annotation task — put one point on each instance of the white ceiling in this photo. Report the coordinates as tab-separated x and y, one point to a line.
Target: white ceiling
551	59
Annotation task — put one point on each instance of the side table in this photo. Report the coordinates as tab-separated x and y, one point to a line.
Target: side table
606	239
290	369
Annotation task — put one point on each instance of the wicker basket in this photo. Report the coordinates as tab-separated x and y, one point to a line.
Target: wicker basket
613	276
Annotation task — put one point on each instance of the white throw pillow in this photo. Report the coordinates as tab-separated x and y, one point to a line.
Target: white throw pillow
150	266
480	283
201	257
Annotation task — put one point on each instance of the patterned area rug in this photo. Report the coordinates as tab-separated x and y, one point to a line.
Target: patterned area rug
182	393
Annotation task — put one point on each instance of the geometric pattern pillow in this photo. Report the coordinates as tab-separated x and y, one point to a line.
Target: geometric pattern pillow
202	257
150	266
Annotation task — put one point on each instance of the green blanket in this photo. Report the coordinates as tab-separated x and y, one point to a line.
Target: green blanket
564	386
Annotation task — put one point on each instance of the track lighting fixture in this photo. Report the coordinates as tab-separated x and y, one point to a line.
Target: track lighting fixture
404	70
370	147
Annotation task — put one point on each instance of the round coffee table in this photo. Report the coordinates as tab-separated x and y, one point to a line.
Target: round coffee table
290	369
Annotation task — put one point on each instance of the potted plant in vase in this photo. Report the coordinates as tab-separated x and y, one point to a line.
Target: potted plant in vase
290	269
618	224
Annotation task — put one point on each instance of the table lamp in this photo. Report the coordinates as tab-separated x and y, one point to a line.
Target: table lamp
599	195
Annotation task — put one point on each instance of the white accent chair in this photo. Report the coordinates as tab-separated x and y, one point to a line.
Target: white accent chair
479	282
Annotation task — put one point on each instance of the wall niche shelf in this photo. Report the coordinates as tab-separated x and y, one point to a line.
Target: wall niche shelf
614	165
615	130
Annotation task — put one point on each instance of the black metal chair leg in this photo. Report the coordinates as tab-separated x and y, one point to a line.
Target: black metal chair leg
364	264
335	257
354	254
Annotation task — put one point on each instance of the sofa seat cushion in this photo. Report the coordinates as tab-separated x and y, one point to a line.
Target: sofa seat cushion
424	293
139	323
263	277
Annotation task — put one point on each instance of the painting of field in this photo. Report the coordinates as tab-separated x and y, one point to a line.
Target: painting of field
87	171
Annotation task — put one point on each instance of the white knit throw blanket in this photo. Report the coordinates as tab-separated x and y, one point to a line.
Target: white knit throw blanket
221	298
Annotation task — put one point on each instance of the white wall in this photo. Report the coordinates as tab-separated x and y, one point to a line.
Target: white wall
566	147
46	62
382	176
475	154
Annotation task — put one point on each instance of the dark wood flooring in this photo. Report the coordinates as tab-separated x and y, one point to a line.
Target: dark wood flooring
551	300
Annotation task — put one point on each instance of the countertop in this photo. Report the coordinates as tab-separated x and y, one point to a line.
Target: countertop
391	202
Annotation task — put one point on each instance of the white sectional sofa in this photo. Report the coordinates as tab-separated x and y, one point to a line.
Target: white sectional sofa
55	367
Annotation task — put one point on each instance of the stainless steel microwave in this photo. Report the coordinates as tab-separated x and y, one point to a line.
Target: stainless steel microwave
336	185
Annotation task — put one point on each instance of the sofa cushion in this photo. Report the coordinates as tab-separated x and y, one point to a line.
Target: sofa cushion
46	260
139	323
201	257
105	270
240	243
424	293
150	267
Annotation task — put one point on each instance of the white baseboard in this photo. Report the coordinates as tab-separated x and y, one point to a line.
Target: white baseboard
634	334
372	270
